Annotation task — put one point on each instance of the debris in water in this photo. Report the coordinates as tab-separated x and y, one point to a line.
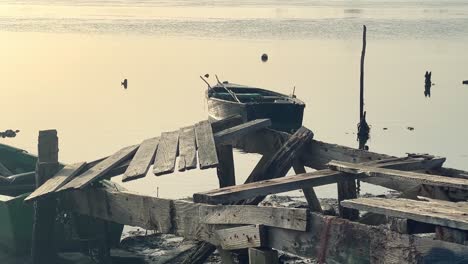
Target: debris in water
410	128
124	83
427	84
465	82
264	57
385	128
207	75
9	133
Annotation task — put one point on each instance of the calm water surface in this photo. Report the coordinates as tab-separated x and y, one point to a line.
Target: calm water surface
62	63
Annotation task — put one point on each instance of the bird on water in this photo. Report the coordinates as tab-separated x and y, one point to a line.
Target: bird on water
124	83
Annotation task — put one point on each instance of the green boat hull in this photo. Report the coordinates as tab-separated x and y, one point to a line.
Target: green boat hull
16	217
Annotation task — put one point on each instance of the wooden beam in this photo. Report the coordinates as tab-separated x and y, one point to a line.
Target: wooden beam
288	218
166	154
358	244
280	163
309	192
400	177
347	190
230	135
455	215
142	160
226	123
226	169
241	237
98	172
43	243
58	180
207	156
121	207
262	188
263	256
187	149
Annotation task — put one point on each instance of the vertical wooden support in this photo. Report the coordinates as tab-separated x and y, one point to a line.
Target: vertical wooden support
363	55
309	193
43	246
347	190
225	169
263	256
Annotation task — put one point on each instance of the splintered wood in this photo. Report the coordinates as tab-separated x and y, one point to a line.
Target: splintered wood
142	160
187	149
95	173
58	180
207	156
167	153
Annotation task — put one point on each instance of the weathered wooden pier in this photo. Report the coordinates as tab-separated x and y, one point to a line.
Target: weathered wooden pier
427	223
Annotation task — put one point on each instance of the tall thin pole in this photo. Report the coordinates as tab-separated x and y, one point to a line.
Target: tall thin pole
363	55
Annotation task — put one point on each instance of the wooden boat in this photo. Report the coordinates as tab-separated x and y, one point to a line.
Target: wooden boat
228	99
17	181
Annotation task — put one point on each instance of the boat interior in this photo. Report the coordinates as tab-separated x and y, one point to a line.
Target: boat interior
248	95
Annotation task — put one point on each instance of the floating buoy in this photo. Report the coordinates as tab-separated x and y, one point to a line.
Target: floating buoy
264	57
124	83
410	128
465	82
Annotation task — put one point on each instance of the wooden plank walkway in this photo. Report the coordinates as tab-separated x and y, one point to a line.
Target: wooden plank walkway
187	149
207	156
454	215
62	177
167	153
142	160
95	173
403	176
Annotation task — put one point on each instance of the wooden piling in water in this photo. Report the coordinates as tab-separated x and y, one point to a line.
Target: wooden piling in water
43	246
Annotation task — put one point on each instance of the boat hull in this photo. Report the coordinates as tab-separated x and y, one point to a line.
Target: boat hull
285	117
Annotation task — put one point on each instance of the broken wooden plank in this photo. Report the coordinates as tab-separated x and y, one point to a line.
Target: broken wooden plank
142	160
167	153
226	123
241	237
289	218
230	135
207	156
97	172
187	149
122	207
61	178
397	175
262	188
281	162
455	216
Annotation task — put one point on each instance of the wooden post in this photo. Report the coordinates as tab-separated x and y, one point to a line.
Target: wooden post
363	55
263	256
43	246
309	193
225	169
347	190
